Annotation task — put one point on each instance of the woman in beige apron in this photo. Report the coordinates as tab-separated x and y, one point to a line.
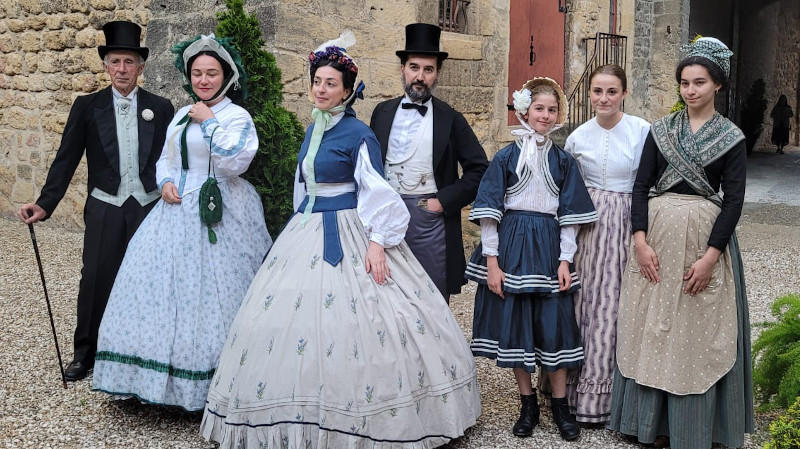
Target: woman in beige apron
683	350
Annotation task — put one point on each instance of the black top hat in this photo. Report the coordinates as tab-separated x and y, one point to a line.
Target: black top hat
423	39
121	35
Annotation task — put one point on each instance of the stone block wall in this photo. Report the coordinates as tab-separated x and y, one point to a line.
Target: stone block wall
48	56
660	26
584	20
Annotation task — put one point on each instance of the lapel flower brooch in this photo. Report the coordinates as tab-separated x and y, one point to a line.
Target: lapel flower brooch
147	114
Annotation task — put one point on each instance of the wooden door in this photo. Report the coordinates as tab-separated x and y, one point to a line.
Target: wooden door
538	24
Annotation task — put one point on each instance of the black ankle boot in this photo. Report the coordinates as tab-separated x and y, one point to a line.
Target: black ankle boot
566	423
528	415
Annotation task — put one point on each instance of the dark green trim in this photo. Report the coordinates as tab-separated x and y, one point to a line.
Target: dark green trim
155	366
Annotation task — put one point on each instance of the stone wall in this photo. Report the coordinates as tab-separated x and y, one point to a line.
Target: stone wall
48	56
773	57
659	29
585	18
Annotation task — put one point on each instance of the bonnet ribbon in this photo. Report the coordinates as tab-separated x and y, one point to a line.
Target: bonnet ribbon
321	120
528	140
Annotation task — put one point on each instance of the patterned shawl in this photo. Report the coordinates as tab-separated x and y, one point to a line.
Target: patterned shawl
687	153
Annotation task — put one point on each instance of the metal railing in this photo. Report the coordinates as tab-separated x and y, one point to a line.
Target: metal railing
453	15
608	49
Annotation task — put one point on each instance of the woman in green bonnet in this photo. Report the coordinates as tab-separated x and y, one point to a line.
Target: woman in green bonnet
683	336
182	279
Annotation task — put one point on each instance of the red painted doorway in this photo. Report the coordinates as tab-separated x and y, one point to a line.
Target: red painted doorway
538	24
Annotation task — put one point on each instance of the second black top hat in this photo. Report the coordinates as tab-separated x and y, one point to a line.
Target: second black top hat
423	39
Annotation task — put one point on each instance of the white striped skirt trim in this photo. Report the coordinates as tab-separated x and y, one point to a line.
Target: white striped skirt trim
479	273
490	349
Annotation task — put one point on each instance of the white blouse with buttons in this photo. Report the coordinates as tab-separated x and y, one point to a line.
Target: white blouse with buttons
609	158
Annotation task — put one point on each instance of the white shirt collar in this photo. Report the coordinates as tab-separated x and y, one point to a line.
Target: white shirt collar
131	96
427	103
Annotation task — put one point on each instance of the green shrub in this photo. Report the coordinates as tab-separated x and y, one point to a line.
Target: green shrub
785	431
776	355
279	132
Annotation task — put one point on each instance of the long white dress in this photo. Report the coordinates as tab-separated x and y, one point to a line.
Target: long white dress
176	293
321	356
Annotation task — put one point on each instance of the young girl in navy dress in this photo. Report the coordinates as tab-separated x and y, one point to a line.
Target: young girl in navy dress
530	204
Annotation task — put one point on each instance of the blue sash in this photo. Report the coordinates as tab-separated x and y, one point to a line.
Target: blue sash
332	252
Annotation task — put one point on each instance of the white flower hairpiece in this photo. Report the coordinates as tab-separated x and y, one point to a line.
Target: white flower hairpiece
147	115
522	100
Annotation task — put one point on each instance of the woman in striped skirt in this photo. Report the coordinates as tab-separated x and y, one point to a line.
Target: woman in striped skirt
607	149
683	374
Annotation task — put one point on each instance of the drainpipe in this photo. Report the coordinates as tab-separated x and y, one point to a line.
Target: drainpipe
612	17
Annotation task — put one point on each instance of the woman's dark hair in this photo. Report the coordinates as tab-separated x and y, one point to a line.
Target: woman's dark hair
227	72
348	77
714	71
613	70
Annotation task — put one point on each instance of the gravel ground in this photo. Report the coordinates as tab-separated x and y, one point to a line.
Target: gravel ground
36	412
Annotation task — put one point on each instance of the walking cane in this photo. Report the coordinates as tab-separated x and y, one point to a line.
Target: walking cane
47	299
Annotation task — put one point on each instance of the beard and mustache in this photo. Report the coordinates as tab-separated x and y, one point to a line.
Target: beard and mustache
421	95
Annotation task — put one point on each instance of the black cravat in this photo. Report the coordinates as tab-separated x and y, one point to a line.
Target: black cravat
422	109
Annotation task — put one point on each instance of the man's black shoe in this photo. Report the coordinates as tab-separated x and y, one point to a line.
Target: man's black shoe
76	370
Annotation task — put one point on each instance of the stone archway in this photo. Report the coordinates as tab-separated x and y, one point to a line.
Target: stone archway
764	35
768	35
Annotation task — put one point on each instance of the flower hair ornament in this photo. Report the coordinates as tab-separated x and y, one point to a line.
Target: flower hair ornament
336	50
527	138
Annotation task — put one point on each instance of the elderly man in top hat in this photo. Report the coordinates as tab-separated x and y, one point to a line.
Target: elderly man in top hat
122	130
423	142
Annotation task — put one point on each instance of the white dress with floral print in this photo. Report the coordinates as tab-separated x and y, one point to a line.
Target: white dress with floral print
322	356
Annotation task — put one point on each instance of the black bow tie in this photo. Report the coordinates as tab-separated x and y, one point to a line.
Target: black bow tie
422	109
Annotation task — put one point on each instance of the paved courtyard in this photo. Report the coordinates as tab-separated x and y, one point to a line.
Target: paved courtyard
36	412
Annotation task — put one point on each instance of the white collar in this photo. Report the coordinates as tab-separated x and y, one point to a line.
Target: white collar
427	103
130	96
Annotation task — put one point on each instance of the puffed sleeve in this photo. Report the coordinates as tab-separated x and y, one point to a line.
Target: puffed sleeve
300	191
166	170
489	203
233	142
381	210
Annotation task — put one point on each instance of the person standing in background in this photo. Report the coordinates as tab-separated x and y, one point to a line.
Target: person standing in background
781	123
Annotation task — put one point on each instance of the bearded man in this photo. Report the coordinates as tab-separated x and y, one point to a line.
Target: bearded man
423	143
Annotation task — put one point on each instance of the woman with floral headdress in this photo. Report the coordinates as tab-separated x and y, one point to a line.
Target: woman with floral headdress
530	204
342	340
683	374
182	280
